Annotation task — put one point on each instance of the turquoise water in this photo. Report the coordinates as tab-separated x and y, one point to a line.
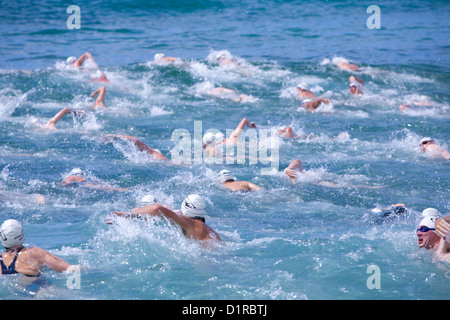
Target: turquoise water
288	241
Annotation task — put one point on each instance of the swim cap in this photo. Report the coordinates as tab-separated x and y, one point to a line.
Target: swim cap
148	200
429	217
193	206
303	86
76	172
427	139
159	56
71	59
209	138
11	233
225	175
219	137
355	84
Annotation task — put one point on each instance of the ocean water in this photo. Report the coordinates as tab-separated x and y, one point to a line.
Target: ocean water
290	241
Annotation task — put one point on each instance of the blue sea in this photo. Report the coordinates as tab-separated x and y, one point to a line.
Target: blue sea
289	241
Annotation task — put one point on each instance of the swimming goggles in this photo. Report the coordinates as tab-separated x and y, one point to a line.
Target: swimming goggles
424	229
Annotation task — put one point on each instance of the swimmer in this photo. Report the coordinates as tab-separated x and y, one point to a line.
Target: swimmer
304	92
404	107
51	124
347	66
155	153
73	61
227	180
225	93
433	233
398	209
191	218
161	58
223	60
27	261
312	105
210	141
76	178
433	150
288	133
356	85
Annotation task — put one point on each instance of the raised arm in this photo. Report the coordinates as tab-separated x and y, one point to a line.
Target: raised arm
244	122
291	170
443	230
101	96
79	62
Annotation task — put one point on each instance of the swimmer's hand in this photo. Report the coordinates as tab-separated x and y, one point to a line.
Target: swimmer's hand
292	174
442	228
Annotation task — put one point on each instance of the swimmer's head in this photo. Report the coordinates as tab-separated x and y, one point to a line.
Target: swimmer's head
225	175
209	138
159	56
193	206
425	141
76	172
71	59
303	86
356	87
149	199
219	137
11	233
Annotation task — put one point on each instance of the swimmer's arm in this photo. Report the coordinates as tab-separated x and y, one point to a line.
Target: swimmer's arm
47	259
158	210
79	62
244	122
52	122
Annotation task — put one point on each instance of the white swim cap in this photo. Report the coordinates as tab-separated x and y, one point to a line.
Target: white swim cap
148	200
303	86
225	175
429	217
193	206
219	137
76	172
209	138
11	233
71	59
159	56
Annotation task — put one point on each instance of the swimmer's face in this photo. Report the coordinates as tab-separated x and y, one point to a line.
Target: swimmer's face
353	90
426	239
